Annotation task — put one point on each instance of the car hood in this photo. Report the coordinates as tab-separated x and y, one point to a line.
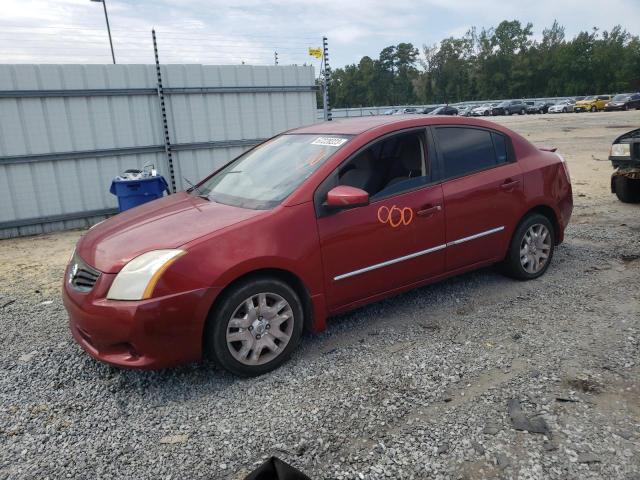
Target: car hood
169	222
584	102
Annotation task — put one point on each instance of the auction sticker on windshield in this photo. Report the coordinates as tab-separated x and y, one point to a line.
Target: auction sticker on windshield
329	141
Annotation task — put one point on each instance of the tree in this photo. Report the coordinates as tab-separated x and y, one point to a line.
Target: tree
500	62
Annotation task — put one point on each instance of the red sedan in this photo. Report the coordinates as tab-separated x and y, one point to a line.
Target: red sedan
311	223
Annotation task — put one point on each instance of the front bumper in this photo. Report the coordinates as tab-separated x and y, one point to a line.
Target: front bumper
584	108
614	107
147	334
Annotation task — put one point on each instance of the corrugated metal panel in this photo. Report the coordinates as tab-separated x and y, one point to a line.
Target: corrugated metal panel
62	124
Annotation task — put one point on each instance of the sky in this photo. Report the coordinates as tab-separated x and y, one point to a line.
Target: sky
250	31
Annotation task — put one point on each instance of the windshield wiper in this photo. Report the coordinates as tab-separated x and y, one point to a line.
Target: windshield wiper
201	194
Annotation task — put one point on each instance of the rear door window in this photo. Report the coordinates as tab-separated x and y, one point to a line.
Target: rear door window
466	150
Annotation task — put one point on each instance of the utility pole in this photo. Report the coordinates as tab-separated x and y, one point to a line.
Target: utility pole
326	73
275	57
106	17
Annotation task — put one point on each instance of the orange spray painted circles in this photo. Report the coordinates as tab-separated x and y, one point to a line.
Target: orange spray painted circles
395	216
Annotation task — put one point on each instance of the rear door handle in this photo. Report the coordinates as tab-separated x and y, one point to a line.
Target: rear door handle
509	184
427	212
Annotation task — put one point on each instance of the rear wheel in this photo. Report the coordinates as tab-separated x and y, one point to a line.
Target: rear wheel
531	248
627	189
255	327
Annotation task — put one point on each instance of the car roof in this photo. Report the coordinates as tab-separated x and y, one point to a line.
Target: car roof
352	126
356	126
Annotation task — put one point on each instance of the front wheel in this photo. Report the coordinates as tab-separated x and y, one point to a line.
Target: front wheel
594	109
255	327
531	248
564	110
522	112
627	189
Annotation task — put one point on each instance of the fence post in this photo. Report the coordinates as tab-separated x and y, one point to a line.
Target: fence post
163	115
326	73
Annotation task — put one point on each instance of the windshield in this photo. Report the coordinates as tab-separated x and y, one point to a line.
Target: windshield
621	98
267	174
590	97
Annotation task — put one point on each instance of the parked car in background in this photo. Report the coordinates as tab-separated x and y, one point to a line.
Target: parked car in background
535	107
563	106
407	111
624	101
312	223
465	110
592	103
625	158
390	111
509	107
483	110
444	110
428	109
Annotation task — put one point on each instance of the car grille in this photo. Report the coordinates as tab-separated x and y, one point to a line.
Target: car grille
82	277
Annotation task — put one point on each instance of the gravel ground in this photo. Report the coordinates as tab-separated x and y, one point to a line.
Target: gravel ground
430	384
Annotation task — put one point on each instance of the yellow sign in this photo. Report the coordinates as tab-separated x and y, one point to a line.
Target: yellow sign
315	52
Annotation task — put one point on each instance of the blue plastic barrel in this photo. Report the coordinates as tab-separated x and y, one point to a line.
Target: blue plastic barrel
132	193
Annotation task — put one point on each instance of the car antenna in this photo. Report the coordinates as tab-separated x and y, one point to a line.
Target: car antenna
196	188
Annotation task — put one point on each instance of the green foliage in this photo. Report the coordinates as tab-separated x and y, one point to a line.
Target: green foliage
500	62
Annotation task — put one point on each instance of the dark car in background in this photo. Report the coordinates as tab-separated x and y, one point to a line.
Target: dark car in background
444	110
428	109
407	111
509	107
624	101
537	107
625	159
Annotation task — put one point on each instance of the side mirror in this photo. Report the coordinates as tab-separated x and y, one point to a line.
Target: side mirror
344	196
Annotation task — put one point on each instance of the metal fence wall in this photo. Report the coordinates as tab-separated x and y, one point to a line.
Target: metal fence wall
67	130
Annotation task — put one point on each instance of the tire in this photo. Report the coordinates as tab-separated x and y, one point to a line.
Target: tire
486	113
522	112
626	107
527	268
564	110
234	306
594	109
627	189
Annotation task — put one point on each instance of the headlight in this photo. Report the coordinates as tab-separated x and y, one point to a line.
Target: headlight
138	278
620	150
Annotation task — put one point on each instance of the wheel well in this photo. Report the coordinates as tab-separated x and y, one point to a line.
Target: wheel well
550	214
283	275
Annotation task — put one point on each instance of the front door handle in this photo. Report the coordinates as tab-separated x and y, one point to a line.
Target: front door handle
509	184
427	212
